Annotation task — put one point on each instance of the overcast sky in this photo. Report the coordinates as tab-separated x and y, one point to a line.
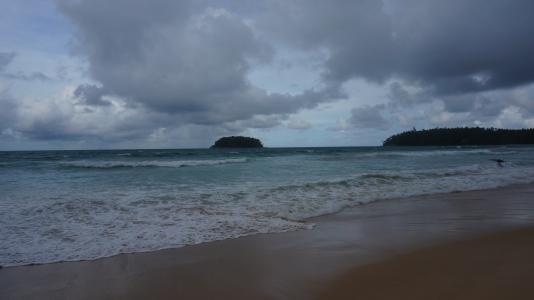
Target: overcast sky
165	73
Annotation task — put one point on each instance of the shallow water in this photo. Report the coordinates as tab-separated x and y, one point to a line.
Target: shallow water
72	205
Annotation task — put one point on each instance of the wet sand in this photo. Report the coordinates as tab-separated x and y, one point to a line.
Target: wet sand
293	265
497	266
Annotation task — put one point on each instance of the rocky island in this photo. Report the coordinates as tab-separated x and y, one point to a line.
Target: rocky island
237	142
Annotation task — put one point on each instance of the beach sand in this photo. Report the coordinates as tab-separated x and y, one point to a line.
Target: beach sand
497	266
478	244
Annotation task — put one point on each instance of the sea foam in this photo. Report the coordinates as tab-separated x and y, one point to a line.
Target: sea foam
153	163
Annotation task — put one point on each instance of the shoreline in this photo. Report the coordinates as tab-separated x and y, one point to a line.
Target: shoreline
311	221
288	265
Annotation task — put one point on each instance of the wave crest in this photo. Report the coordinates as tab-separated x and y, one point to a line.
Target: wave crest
151	164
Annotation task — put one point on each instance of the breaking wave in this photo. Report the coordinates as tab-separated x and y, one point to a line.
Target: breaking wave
150	164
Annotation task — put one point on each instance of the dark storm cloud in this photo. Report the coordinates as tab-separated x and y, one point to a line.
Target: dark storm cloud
357	34
90	94
467	46
178	57
452	47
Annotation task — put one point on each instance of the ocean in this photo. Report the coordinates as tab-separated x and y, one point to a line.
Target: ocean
82	205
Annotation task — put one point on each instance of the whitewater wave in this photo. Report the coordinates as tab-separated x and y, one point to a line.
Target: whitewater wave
312	199
150	164
434	153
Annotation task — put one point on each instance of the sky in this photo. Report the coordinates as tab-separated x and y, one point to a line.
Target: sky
109	74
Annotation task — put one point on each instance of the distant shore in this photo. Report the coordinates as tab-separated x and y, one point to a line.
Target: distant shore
462	136
372	242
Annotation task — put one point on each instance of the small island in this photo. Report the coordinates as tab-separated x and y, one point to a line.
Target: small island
237	142
461	136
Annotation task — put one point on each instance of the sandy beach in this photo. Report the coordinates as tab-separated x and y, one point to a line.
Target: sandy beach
466	245
497	266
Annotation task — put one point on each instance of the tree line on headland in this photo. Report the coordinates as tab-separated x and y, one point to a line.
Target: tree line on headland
461	136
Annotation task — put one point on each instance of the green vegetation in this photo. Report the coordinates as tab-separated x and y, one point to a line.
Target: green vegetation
461	136
237	142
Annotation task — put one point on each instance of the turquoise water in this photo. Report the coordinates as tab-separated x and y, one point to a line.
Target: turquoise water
73	205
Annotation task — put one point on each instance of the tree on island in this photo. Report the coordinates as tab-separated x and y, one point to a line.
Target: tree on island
237	142
461	136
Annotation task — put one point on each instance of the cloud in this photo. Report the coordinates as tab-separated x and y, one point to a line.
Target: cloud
5	59
61	119
90	94
369	117
355	33
299	124
400	95
450	47
180	58
466	46
259	122
26	77
8	107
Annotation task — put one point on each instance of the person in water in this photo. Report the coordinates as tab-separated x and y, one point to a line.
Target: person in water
499	162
